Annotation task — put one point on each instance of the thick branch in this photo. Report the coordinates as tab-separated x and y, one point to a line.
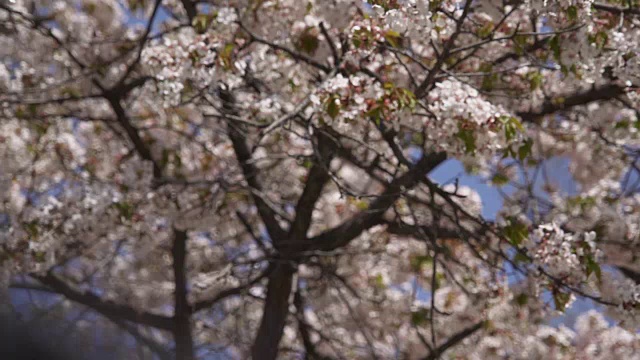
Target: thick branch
631	274
616	9
204	304
605	92
106	308
143	40
417	231
274	316
182	314
152	345
431	76
250	172
304	329
279	288
132	133
316	178
454	340
294	54
350	229
190	8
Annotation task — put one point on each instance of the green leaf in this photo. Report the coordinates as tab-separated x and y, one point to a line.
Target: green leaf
600	39
500	179
622	124
375	113
41	128
560	299
554	44
70	92
572	13
535	80
593	268
515	232
226	56
164	161
307	163
468	138
32	229
522	299
485	30
333	106
407	98
419	317
136	5
525	149
489	80
520	258
201	23
308	40
393	38
39	256
126	209
417	262
362	205
379	281
520	42
511	127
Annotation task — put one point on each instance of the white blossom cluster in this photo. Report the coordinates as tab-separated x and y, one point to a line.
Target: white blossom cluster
411	18
625	293
591	339
95	193
464	119
187	58
563	255
561	8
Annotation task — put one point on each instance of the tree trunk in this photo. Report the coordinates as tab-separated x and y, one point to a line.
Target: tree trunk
182	317
276	309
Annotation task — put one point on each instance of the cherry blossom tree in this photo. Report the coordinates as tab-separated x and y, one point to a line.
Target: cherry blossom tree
251	177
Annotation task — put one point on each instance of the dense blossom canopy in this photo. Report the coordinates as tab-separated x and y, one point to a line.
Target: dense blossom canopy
251	178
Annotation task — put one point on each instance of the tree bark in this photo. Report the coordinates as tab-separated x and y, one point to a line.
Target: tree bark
276	309
182	315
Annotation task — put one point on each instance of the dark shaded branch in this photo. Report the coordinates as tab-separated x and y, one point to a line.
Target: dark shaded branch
143	40
539	44
304	328
156	348
631	274
256	238
152	345
605	92
132	132
454	340
182	314
250	172
316	178
332	46
431	76
104	307
294	54
190	8
616	9
419	231
350	229
274	316
126	88
279	288
203	304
